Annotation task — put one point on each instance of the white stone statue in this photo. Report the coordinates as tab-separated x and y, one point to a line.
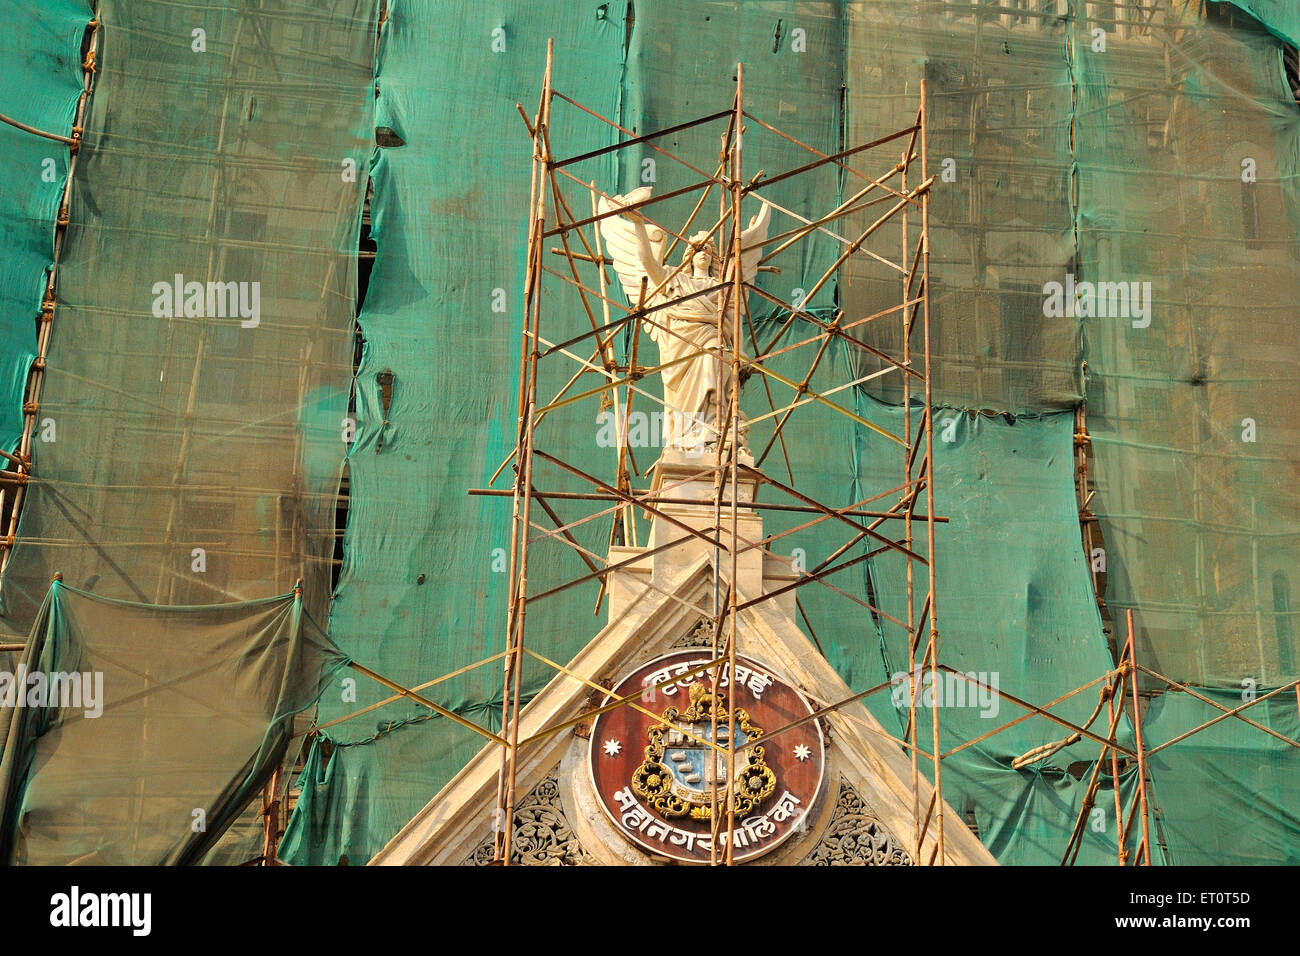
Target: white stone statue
694	386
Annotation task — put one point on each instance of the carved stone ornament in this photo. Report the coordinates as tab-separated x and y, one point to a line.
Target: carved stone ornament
855	837
542	835
701	635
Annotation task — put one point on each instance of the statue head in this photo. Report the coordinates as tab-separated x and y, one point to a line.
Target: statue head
703	255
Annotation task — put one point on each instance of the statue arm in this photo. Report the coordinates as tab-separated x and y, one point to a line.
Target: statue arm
752	239
650	263
635	250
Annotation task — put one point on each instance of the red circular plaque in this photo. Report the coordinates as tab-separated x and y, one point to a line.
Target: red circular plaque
656	774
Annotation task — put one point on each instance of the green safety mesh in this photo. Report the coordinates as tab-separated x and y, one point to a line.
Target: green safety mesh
1195	451
188	459
1125	146
39	86
194	457
185	460
1022	618
105	772
1067	157
1195	445
1001	222
1279	16
1228	795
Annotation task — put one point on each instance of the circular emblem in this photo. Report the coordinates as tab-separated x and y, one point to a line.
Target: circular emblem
660	777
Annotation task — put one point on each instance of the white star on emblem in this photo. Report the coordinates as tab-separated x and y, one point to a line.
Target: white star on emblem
612	747
801	752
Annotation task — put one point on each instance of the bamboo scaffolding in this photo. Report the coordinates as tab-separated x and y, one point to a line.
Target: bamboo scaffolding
619	385
912	503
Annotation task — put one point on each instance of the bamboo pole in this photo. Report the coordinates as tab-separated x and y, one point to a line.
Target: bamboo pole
626	516
933	652
669	500
271	820
1075	843
1226	712
737	306
1113	713
909	539
1144	848
503	824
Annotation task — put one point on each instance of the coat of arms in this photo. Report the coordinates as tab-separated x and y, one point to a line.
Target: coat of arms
681	770
739	764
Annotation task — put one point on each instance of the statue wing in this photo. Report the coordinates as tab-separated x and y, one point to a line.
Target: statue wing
631	257
755	234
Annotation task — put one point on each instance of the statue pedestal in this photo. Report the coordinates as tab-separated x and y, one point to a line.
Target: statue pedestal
686	486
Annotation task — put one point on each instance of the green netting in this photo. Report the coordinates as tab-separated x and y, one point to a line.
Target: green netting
1228	795
1001	219
40	80
355	795
191	454
422	591
1017	611
1280	16
681	64
104	771
1195	443
1121	156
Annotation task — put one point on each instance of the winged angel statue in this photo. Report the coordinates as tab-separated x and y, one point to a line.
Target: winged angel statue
697	381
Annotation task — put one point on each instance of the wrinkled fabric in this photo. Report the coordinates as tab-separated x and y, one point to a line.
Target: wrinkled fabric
191	714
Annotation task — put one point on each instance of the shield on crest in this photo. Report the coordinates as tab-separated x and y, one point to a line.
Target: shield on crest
682	767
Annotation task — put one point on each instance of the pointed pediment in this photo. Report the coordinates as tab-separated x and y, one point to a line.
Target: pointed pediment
865	768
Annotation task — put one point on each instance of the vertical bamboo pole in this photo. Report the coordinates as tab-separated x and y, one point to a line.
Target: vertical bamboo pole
737	311
1254	578
725	155
624	515
1116	687
271	803
1144	849
933	650
518	598
913	639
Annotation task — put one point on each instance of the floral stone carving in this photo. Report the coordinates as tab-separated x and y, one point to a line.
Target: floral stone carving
855	837
541	835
